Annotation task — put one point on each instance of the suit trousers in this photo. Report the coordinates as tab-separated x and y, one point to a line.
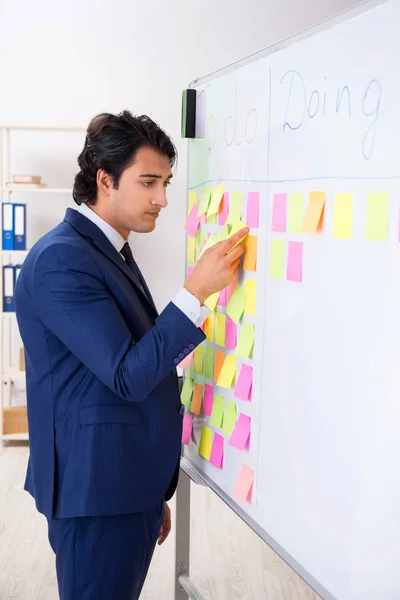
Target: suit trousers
104	558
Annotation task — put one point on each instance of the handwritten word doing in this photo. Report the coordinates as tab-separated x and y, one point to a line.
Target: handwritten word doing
302	106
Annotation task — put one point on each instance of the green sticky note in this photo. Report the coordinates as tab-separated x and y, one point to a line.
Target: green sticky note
198	360
187	391
377	217
277	259
217	411
246	341
295	215
201	237
204	201
229	420
224	234
206	442
216	200
236	304
220	329
236	208
209	362
212	219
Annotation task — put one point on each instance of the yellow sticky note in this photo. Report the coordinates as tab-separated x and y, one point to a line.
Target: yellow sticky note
277	259
205	442
211	301
246	341
250	291
191	249
224	234
198	360
228	372
200	239
377	217
212	220
204	201
220	329
192	201
209	362
236	304
209	328
235	208
295	215
250	253
216	200
315	213
217	413
343	216
237	227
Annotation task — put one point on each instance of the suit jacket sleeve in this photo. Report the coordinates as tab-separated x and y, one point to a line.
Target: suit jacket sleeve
74	303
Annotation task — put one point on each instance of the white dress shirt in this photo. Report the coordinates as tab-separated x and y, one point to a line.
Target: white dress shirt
184	300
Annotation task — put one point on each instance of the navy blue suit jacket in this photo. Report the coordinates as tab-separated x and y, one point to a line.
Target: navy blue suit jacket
104	410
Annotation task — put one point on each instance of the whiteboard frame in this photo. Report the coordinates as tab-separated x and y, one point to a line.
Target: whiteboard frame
190	468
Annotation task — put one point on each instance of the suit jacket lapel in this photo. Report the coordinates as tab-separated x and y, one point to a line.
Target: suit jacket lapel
88	229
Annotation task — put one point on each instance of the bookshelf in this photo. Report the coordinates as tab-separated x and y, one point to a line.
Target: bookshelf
13	413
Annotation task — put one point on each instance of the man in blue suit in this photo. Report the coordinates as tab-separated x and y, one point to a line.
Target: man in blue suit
104	409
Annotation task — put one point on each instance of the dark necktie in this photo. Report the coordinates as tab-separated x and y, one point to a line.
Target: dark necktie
130	261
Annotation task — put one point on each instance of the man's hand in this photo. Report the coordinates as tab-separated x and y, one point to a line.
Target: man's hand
217	267
166	525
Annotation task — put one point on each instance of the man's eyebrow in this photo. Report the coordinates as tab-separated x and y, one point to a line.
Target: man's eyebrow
154	176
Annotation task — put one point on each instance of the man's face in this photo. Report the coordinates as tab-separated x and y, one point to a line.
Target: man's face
141	193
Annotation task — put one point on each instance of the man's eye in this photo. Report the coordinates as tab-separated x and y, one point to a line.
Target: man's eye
147	183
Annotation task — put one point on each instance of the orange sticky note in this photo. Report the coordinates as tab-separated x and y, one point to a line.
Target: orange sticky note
197	399
313	220
219	360
250	253
244	485
209	328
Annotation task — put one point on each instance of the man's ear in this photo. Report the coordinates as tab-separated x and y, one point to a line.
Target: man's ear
104	182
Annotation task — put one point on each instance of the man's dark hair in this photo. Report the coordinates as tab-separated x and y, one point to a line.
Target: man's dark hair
111	144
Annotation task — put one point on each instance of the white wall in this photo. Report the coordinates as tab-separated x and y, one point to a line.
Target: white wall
61	63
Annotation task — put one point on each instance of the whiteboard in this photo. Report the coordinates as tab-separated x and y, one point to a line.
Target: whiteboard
317	113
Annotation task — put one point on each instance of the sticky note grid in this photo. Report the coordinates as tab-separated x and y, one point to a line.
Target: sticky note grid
218	384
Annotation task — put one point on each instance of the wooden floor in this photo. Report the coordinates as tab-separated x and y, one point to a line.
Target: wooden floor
229	561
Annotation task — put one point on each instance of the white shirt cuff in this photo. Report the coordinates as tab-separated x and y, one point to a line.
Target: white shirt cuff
190	306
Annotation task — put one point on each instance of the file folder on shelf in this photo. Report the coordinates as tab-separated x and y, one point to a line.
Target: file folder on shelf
19	227
8	288
8	226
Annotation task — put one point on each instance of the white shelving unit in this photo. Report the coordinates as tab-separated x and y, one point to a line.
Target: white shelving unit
13	419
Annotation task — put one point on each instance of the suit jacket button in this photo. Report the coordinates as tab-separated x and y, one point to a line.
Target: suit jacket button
191	346
181	355
176	361
182	410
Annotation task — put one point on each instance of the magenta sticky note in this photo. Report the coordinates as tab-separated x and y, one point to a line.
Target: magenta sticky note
230	334
217	451
253	208
187	429
294	270
244	383
223	209
279	213
241	432
193	221
208	400
223	298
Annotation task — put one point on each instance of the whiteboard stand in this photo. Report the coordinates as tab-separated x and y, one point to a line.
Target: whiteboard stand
184	587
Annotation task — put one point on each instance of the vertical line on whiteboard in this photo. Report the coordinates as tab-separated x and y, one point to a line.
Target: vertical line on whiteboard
266	279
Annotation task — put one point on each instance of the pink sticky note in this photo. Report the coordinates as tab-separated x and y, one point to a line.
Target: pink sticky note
187	429
294	270
193	221
223	298
186	361
244	485
253	207
208	399
217	451
230	334
241	432
279	213
203	219
223	209
244	383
